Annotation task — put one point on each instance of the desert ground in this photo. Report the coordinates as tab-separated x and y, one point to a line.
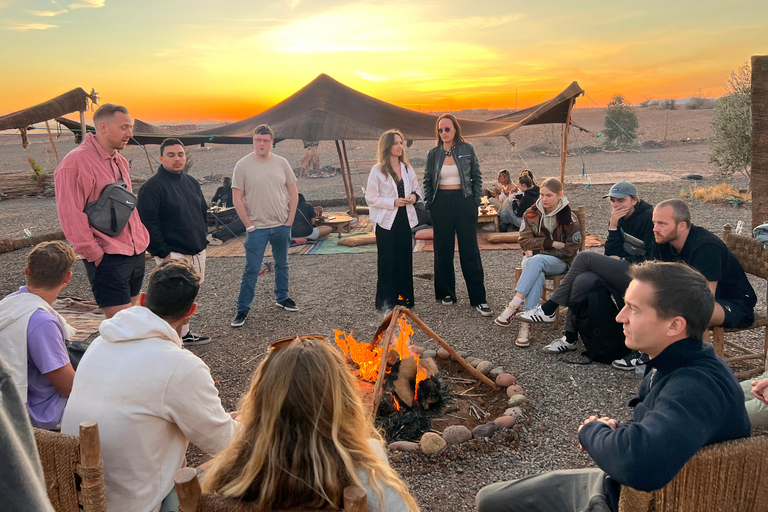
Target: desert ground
337	291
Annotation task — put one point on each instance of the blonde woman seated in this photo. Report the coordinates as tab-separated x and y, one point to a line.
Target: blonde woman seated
499	195
305	436
550	239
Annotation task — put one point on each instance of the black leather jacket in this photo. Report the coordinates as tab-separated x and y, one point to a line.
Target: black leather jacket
469	172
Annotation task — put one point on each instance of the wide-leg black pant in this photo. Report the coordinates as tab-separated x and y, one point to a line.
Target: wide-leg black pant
395	264
455	216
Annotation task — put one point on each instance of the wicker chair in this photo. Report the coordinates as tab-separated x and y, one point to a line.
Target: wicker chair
74	474
726	477
754	259
581	214
192	499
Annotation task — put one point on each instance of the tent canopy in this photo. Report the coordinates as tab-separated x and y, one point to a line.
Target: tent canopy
75	100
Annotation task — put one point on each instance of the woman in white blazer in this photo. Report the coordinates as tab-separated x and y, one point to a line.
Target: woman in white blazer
392	190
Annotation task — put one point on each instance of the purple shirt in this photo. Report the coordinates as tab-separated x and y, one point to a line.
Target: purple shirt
46	352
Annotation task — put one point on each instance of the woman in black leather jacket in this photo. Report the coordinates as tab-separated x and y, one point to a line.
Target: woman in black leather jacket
452	191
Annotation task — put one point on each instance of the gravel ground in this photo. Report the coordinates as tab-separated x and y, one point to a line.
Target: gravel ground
336	292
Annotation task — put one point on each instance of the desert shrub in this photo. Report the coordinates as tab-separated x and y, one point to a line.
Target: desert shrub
667	105
720	192
620	122
730	150
700	104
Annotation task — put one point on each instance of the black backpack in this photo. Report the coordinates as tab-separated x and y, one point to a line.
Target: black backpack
596	323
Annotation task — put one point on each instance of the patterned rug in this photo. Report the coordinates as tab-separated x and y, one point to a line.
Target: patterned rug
83	315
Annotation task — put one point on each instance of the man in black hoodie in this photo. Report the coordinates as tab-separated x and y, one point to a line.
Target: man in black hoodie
174	211
630	237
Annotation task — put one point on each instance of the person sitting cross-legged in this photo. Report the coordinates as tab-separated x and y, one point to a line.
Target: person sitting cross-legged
150	397
688	399
550	237
33	334
630	236
305	436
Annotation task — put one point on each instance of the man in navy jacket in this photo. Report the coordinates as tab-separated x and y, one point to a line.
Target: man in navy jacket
688	399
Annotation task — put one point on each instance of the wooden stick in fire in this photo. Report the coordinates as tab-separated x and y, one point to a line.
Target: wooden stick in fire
390	333
432	334
382	327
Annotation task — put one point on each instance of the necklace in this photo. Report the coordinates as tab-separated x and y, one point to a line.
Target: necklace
448	153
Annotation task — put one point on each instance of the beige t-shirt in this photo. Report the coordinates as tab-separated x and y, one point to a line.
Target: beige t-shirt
264	189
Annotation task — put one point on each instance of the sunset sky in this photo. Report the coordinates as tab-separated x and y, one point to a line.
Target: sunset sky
172	60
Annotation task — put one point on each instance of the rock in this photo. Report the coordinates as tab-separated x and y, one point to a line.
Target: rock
403	446
484	367
456	434
464	355
517	412
474	361
495	372
505	380
486	430
418	350
505	421
516	400
432	443
429	353
514	390
442	353
429	365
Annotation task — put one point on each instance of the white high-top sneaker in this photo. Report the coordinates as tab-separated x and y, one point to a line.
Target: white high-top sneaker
506	316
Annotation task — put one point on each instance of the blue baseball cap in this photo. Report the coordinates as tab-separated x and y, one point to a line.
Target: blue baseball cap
622	189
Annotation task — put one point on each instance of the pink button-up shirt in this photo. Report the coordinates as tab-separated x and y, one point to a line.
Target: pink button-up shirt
79	179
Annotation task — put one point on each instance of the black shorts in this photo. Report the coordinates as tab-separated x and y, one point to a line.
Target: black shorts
116	279
738	314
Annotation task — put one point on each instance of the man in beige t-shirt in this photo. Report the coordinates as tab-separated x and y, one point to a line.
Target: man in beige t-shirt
265	195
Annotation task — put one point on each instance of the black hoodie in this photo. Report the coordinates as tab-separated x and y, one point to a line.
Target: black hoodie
639	225
529	199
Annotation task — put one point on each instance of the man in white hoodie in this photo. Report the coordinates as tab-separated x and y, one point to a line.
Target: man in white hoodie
149	395
32	335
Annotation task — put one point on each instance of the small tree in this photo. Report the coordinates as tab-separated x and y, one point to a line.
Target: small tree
732	124
620	122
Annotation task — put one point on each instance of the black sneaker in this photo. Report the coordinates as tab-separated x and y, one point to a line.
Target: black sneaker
630	361
239	319
287	305
484	309
447	300
192	339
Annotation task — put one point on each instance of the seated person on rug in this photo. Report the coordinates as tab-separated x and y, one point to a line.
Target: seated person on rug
305	436
33	334
630	237
688	399
756	399
304	222
500	194
223	195
150	396
526	196
550	237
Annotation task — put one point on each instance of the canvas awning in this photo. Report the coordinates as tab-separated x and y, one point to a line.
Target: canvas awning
75	100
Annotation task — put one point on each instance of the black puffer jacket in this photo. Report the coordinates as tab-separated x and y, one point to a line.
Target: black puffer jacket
530	196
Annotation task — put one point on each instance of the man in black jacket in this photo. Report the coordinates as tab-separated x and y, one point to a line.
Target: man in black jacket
688	399
174	211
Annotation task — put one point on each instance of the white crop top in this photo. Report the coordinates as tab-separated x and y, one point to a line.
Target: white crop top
449	175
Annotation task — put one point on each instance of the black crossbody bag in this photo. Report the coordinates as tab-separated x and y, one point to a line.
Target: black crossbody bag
110	213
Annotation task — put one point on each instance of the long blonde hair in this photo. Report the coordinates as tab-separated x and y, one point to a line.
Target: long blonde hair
386	141
305	434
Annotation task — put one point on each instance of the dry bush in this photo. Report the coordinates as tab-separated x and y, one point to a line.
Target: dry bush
720	192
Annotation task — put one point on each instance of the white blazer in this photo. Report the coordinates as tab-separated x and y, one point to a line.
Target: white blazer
381	192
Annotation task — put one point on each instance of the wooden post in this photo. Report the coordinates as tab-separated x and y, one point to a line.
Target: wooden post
424	327
342	164
379	388
50	137
564	144
82	126
187	488
355	499
92	493
148	159
759	172
351	196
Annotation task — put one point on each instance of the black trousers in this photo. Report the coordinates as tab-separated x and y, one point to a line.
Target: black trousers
455	216
395	264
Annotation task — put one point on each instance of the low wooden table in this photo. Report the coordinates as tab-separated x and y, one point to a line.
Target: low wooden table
491	215
339	223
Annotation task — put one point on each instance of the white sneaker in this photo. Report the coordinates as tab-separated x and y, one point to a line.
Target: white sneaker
559	346
213	241
536	315
506	316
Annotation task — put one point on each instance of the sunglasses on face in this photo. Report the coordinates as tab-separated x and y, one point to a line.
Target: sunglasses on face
287	341
446	130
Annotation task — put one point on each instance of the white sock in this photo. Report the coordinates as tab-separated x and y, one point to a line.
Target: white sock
517	302
184	330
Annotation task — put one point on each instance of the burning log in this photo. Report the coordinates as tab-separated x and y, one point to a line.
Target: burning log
403	379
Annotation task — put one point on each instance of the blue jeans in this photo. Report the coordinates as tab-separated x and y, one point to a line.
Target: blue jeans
255	245
535	270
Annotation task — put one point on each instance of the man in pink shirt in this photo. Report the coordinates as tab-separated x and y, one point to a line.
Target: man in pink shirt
115	265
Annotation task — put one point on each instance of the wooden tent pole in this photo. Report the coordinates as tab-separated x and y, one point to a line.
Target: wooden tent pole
148	160
343	174
50	137
351	196
564	144
759	143
82	126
